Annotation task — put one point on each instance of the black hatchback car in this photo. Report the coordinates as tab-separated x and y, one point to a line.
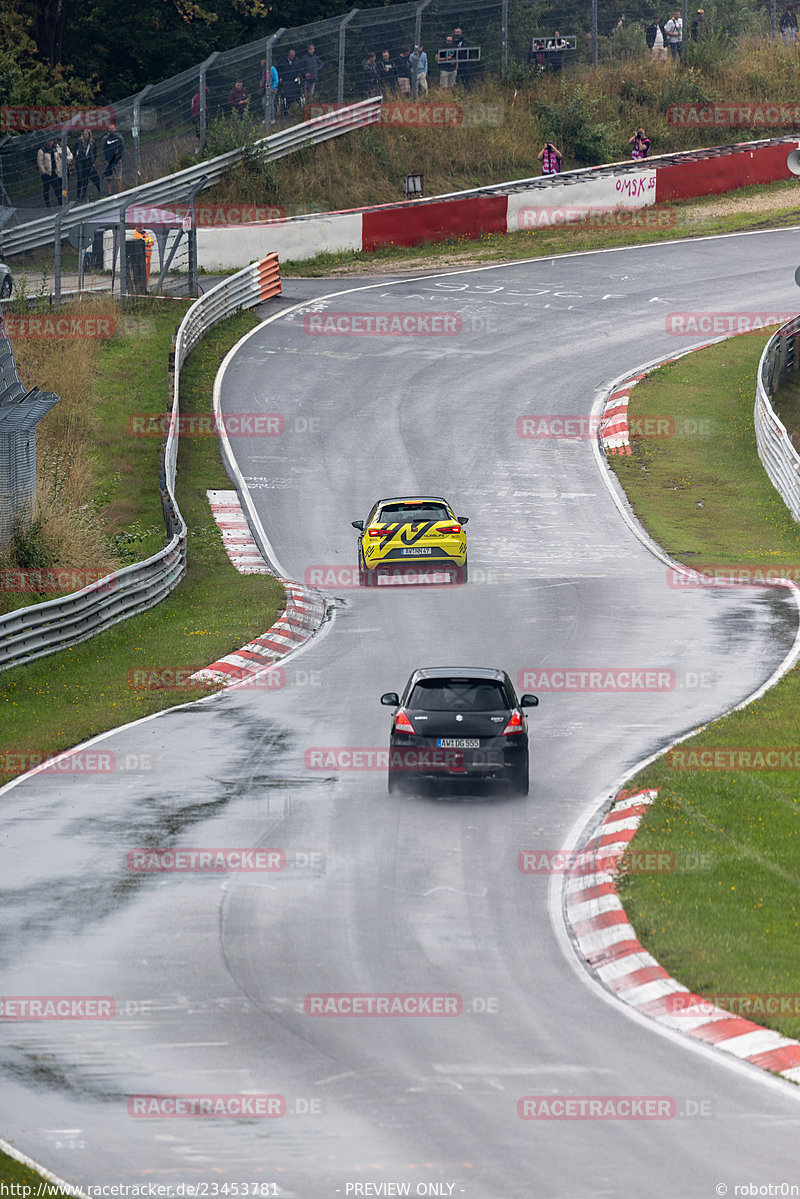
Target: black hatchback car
459	723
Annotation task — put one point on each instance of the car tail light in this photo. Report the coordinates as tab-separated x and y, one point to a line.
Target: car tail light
379	532
515	724
449	529
402	724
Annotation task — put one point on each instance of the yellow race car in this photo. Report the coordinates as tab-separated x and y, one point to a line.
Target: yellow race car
413	538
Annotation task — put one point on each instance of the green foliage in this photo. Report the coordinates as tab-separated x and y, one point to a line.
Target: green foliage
29	548
575	125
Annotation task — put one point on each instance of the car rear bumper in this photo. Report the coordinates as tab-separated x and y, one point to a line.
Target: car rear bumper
421	757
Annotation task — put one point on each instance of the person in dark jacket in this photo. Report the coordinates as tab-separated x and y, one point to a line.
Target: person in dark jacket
403	71
387	75
112	148
371	83
85	155
310	68
289	77
238	98
700	27
788	25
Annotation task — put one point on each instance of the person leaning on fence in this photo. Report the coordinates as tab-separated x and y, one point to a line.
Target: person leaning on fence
238	99
641	144
403	70
268	92
419	59
788	25
387	75
448	64
371	81
550	158
85	155
554	54
464	65
673	31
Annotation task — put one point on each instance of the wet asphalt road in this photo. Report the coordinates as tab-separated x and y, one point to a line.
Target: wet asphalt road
416	893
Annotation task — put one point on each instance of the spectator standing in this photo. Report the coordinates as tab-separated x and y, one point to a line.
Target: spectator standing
112	148
403	71
550	158
268	92
673	31
448	64
310	69
654	36
699	26
238	98
142	234
387	73
464	66
641	144
46	162
419	58
788	25
289	77
554	54
85	155
371	81
196	112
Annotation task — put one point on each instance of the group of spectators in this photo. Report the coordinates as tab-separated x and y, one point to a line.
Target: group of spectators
550	156
667	39
394	74
82	158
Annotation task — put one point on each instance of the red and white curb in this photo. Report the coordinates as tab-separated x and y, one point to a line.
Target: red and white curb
302	616
608	944
614	420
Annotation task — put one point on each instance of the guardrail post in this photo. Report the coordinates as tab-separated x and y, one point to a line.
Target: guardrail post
417	41
342	25
269	96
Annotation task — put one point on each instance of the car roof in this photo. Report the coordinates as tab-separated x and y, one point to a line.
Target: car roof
449	672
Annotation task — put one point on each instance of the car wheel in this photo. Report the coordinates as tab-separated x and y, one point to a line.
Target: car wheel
5	290
519	781
464	572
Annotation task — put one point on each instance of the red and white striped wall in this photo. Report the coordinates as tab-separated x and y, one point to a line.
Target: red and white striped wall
608	944
302	616
493	210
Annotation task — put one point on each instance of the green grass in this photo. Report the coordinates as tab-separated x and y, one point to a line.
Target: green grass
692	219
726	921
13	1171
64	698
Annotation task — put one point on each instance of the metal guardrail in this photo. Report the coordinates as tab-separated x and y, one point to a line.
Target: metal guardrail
779	457
42	231
40	629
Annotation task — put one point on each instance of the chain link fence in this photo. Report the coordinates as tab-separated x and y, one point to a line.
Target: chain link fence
171	124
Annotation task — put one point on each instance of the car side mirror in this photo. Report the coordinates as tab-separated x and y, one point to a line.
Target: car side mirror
391	699
463	520
358	524
529	701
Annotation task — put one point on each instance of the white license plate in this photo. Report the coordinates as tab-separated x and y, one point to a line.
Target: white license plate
416	553
459	743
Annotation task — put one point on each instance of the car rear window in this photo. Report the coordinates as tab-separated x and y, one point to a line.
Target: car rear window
459	695
411	513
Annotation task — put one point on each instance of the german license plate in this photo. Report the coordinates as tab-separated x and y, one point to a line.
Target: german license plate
459	743
416	553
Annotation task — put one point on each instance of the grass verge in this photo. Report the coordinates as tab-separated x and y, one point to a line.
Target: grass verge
13	1171
737	211
67	697
725	922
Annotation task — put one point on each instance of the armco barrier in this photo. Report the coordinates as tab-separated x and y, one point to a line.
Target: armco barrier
498	208
41	232
44	628
779	457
